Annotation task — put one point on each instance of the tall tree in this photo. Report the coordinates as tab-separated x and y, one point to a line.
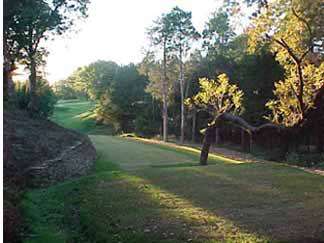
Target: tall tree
183	32
294	36
38	21
160	35
218	33
11	10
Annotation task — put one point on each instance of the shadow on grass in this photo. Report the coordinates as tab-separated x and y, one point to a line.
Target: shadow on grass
234	202
175	165
264	205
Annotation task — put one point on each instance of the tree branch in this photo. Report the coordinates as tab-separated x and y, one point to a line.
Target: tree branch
228	117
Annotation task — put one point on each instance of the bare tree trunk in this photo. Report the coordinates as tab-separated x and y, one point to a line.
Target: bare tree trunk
8	85
217	137
165	97
319	138
165	119
193	128
301	88
8	68
250	142
243	139
206	145
182	97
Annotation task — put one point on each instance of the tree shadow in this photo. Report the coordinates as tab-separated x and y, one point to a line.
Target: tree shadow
261	203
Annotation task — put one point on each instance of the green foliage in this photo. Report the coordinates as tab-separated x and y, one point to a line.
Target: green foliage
30	22
256	75
147	122
218	32
93	80
294	23
122	100
119	92
154	73
182	30
37	20
47	98
218	96
304	159
64	90
285	107
291	31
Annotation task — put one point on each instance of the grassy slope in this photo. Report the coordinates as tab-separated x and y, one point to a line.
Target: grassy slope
155	193
76	115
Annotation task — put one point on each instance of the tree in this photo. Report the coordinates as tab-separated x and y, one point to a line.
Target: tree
293	35
127	93
160	35
256	75
12	9
47	96
38	21
217	97
94	79
286	107
64	90
218	32
183	32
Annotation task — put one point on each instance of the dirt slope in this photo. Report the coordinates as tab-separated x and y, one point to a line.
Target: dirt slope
38	153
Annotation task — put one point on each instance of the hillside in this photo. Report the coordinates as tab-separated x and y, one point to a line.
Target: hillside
38	153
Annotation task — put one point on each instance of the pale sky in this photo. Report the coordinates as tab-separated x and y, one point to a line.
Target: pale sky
116	30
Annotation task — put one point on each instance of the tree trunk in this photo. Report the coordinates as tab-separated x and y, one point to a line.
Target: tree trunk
228	117
165	97
301	88
182	97
250	142
8	68
193	128
33	105
206	145
217	137
243	146
8	85
319	138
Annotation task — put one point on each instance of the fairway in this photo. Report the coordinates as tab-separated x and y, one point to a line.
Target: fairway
142	192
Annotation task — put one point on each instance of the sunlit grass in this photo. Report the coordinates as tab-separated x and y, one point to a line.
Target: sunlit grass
78	115
189	149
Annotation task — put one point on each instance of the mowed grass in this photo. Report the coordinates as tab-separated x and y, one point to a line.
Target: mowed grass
143	192
77	115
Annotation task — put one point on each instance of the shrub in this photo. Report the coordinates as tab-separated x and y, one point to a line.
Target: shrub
305	159
46	97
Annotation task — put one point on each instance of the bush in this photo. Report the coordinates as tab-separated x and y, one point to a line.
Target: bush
145	126
293	158
305	159
46	97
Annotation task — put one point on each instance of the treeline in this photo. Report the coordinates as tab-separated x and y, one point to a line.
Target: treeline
270	72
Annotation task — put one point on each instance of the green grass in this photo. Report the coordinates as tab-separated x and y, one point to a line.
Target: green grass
142	192
77	115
